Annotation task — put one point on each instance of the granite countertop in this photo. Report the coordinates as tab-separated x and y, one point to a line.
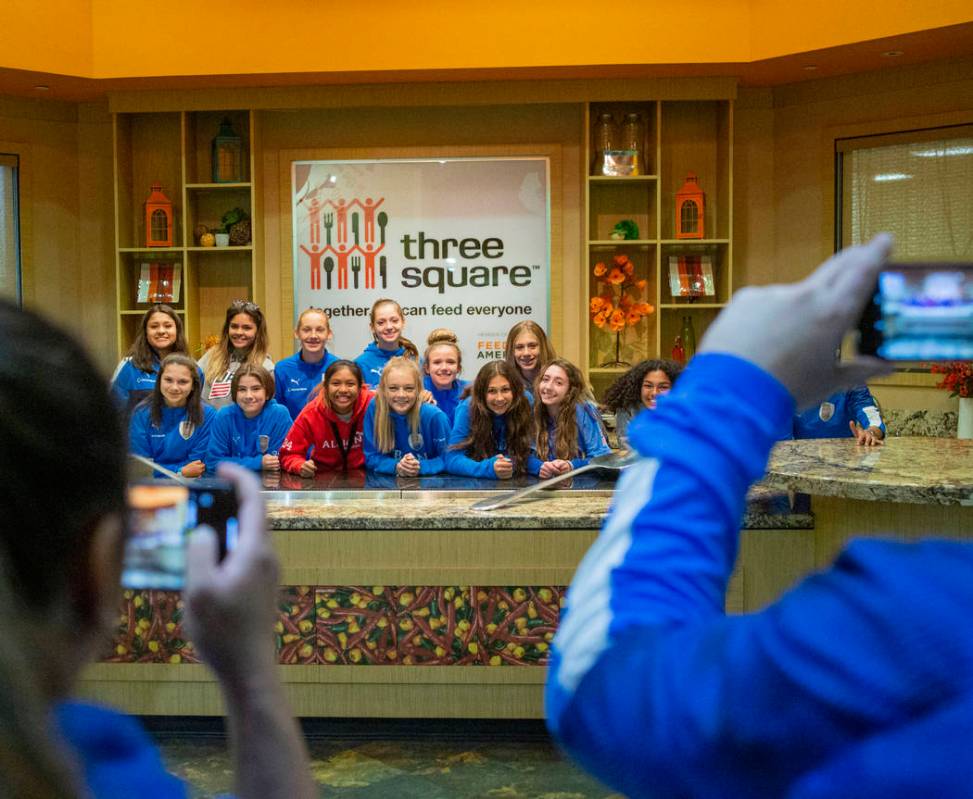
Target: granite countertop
918	469
405	508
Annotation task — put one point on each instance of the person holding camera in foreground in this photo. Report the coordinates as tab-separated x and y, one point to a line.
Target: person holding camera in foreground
60	565
857	683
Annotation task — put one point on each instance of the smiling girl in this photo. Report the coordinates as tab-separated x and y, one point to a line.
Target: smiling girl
386	321
404	435
442	363
160	334
567	431
638	388
250	431
327	434
243	340
297	376
171	426
528	350
493	427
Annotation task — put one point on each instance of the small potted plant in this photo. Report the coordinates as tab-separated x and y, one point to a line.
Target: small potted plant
958	381
234	229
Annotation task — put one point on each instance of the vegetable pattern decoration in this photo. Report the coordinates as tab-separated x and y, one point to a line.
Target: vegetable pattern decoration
368	625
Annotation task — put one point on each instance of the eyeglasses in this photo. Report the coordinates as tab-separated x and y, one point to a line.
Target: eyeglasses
244	305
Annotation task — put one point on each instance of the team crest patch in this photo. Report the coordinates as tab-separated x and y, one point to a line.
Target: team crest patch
186	429
826	411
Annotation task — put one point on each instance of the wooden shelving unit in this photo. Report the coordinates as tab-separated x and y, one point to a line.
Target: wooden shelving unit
680	136
174	149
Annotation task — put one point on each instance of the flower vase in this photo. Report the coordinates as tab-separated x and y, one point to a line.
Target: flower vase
964	419
618	354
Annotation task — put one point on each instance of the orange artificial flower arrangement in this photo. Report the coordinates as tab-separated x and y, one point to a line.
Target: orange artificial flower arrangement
957	378
621	302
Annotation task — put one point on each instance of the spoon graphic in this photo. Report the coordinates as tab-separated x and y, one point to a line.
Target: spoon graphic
383	220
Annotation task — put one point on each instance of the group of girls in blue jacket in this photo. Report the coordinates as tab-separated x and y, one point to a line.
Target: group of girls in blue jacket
318	412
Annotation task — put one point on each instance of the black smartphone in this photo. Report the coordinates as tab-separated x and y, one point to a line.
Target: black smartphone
920	312
161	516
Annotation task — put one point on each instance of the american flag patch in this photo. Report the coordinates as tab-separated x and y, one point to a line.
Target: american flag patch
220	389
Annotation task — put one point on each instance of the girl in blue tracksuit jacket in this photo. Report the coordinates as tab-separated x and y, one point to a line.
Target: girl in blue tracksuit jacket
251	430
297	376
442	363
568	433
160	333
386	322
404	435
171	426
842	415
493	427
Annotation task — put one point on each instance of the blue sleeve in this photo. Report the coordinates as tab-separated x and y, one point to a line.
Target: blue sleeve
435	437
863	408
121	384
138	433
200	442
220	435
457	461
591	441
533	465
279	383
375	461
634	668
279	427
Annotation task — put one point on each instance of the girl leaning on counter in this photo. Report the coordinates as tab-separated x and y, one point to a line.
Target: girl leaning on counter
404	435
243	340
171	426
250	431
568	430
327	434
493	428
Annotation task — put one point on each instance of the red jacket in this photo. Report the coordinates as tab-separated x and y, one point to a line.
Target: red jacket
313	427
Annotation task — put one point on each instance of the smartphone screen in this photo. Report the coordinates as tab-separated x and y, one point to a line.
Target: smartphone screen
920	312
161	516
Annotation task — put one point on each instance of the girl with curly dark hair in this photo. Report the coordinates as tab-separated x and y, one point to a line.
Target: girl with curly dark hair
638	389
493	427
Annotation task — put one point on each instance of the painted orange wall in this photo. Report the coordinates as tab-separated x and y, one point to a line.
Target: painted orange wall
112	39
51	36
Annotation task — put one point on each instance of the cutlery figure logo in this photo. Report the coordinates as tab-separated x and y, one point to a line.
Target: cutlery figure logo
342	250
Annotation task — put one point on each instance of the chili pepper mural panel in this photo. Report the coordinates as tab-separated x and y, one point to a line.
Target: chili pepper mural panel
150	630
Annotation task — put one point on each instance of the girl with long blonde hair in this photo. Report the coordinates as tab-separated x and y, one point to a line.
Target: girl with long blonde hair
404	435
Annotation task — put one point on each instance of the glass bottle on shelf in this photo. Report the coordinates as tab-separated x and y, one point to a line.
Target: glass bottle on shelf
605	138
688	335
632	142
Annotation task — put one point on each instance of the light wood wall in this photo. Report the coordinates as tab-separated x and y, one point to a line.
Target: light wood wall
783	178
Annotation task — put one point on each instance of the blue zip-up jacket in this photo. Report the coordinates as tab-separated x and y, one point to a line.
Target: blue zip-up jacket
434	429
373	360
457	461
130	385
591	441
170	445
855	684
295	379
832	417
235	438
446	399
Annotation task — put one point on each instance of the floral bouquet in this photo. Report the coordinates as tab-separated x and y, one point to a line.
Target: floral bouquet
620	302
957	377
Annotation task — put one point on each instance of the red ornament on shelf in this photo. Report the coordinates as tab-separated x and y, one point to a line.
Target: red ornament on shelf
158	218
690	205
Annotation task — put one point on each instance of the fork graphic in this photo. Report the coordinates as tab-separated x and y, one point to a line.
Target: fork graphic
328	224
355	268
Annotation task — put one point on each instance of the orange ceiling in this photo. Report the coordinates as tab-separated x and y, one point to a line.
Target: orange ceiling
83	49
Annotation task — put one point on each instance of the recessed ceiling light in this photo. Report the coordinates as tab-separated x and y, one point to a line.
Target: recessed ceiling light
42	88
892	53
810	68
